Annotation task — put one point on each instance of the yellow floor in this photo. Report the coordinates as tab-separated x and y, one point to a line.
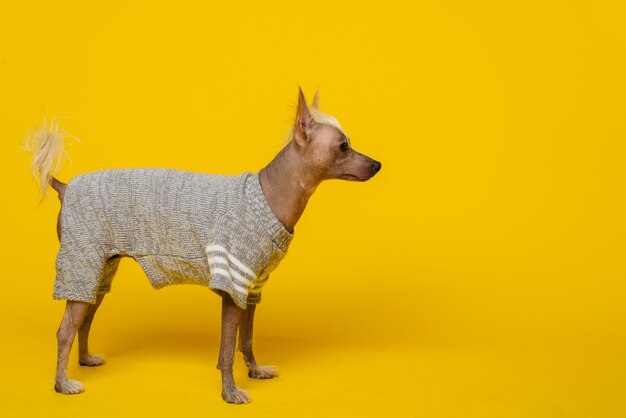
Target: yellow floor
157	367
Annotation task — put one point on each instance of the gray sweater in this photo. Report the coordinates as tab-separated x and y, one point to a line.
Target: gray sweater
182	227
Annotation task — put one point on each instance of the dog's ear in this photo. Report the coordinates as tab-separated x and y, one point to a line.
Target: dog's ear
316	100
304	120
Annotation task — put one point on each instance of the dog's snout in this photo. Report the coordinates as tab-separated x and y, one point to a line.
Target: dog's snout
376	166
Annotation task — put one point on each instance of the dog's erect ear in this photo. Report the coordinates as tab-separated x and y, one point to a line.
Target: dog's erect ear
303	120
316	100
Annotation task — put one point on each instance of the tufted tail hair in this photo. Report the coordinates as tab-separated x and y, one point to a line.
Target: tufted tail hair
47	145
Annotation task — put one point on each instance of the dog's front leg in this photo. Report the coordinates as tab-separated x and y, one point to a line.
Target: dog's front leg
231	315
245	346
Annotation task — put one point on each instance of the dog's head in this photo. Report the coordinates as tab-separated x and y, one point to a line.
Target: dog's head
326	148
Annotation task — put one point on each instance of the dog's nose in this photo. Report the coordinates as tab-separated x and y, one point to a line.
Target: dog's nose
376	166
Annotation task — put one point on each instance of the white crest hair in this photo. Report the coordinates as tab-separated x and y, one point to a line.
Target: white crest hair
47	145
319	117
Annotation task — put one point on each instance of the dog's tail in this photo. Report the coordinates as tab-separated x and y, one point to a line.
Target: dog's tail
47	145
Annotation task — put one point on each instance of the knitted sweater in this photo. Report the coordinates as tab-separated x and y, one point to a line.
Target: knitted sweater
182	227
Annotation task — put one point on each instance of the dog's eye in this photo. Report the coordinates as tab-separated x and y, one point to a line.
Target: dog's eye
344	147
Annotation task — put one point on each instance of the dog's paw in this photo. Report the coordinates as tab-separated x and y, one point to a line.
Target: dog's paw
69	387
91	360
263	372
235	395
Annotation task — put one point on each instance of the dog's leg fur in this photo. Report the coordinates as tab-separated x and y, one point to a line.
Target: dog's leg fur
231	315
84	358
245	346
73	317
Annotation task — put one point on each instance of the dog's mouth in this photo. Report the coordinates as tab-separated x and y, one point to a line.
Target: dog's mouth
352	177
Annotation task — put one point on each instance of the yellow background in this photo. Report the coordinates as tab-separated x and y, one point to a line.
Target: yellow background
480	273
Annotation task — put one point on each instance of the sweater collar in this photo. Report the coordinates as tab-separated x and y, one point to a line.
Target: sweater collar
258	203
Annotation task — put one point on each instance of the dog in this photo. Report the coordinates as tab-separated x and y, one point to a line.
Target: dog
227	232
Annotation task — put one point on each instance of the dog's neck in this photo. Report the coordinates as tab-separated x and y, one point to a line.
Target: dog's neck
288	183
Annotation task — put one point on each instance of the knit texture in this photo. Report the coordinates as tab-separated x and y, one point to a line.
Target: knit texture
180	226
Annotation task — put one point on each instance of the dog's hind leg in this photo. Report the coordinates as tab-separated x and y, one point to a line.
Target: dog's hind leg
73	317
231	315
84	358
245	346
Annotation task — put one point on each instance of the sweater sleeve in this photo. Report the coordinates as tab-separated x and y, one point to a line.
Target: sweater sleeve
238	253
